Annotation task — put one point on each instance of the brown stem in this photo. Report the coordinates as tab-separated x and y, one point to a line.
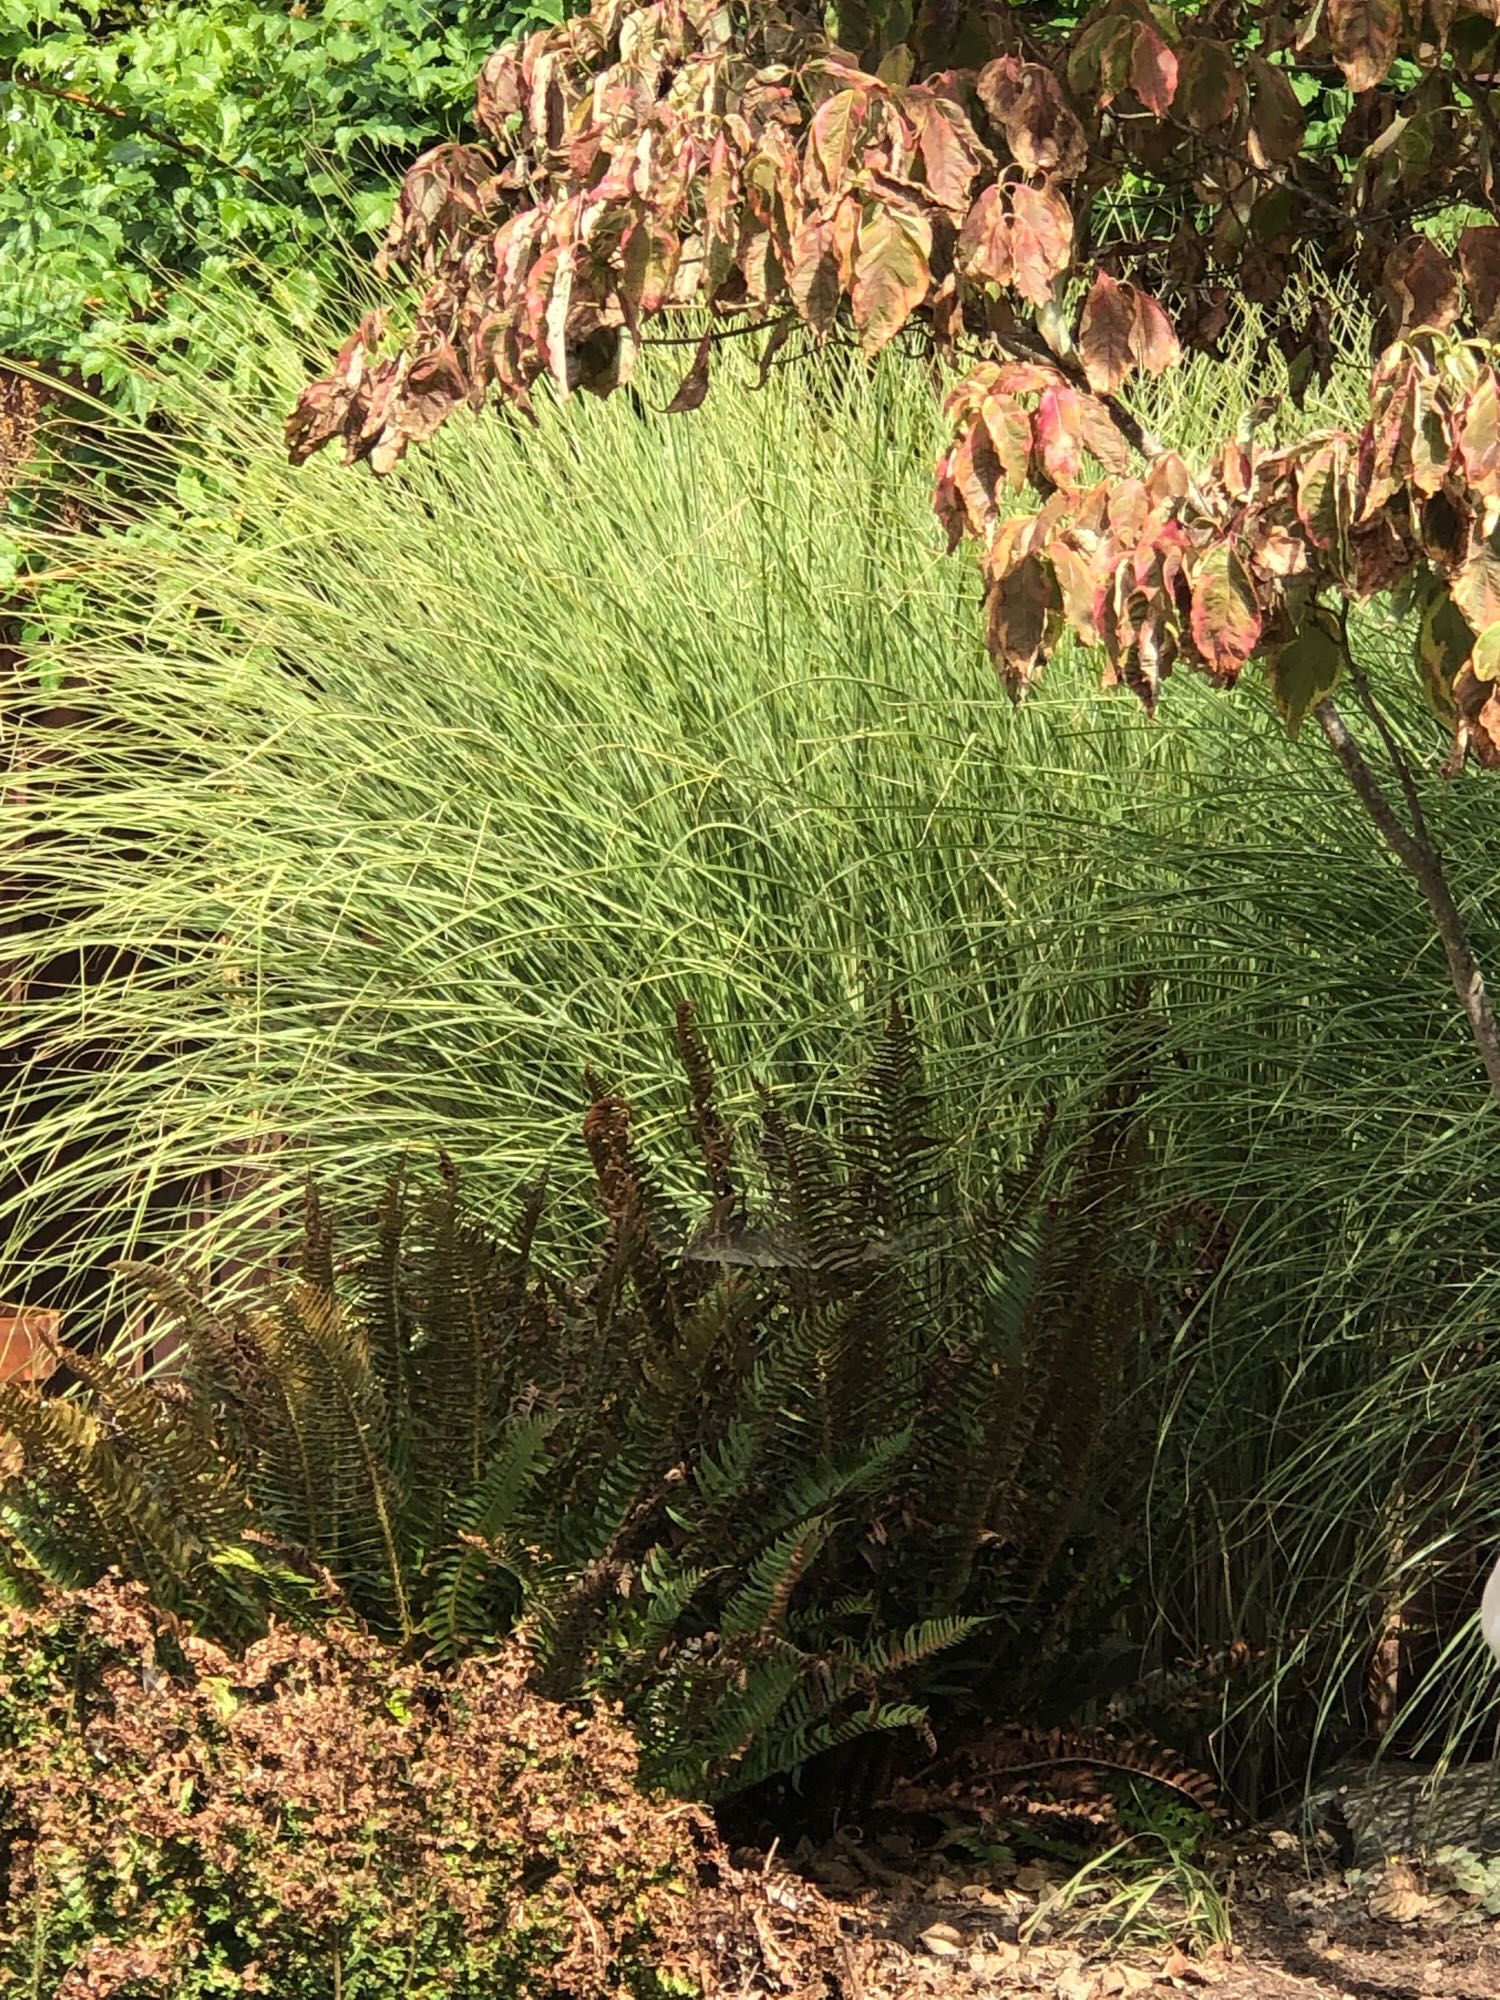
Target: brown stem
1422	861
162	134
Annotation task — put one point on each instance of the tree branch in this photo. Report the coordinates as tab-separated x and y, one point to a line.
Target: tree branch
1424	864
188	148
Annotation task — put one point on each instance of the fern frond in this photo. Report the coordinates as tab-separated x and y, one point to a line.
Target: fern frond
486	1520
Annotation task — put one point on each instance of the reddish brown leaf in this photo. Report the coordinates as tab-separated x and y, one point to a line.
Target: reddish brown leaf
1123	328
1041	240
1364	36
1226	617
694	386
1277	123
814	280
948	502
1041	128
1479	260
1424	282
984	244
892	275
975	469
1210	88
1103	436
1106	334
1022	602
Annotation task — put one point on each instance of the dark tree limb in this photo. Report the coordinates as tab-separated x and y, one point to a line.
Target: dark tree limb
1418	855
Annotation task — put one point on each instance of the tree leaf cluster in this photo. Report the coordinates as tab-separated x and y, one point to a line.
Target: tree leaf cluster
145	141
965	179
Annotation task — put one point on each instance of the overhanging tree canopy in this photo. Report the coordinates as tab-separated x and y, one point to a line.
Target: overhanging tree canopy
1060	204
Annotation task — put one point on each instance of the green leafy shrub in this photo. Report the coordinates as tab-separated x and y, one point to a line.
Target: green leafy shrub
146	140
314	1816
754	1476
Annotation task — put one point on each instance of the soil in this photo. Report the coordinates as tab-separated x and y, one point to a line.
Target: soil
1304	1928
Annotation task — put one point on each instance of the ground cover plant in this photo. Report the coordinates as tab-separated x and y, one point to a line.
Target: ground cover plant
314	1816
954	171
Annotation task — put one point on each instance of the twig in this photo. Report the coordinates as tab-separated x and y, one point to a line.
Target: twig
1423	863
189	148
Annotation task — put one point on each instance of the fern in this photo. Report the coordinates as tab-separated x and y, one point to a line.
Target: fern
840	1452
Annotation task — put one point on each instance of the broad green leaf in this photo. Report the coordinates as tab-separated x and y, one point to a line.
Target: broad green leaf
1484	661
1445	640
1306	669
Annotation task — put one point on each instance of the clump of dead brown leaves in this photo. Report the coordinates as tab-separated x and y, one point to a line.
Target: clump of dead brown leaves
319	1813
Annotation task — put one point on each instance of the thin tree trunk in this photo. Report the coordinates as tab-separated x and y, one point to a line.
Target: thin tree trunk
1414	849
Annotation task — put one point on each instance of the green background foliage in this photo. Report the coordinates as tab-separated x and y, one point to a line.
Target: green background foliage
226	133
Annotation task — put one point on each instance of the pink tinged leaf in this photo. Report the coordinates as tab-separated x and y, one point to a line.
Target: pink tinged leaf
1023	378
836	128
1475	588
1226	616
1157	347
951	154
718	190
1057	436
1103	437
1042	241
559	304
1153	70
1277	552
892	276
1479	435
1079	587
1168	479
1010	431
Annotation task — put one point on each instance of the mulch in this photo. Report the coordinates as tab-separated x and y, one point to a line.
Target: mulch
1304	1928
